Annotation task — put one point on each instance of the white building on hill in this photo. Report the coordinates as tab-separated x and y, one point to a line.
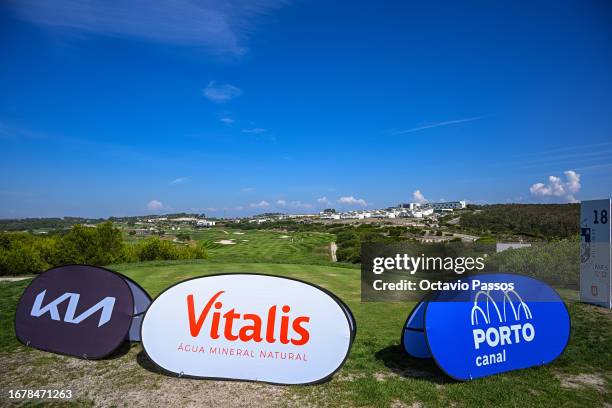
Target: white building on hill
449	205
205	223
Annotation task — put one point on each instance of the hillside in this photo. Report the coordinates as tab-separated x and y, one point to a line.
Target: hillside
539	221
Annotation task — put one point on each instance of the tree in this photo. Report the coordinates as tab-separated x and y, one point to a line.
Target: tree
155	249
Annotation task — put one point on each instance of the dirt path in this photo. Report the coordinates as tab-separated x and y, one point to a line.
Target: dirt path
130	378
13	278
332	249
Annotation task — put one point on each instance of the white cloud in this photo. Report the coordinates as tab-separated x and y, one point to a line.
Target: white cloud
261	204
220	92
247	189
323	201
178	180
350	200
219	27
299	204
155	205
281	203
227	121
556	187
418	197
255	131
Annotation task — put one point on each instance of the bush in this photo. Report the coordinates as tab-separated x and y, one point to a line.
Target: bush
556	263
155	249
101	245
20	259
349	254
183	236
541	221
23	253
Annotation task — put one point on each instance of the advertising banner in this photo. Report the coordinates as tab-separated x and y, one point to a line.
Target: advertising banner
77	310
248	327
142	300
595	252
413	336
488	324
499	323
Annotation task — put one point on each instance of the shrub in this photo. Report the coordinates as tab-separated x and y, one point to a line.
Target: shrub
183	236
155	249
20	259
556	263
23	253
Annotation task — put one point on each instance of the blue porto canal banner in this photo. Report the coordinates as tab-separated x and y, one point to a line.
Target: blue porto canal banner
494	324
413	335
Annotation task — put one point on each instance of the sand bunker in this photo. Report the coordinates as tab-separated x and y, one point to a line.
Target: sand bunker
225	242
284	236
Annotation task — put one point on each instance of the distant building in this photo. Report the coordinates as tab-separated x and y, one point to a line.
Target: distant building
205	223
329	216
409	206
449	205
503	246
419	212
422	212
184	219
258	220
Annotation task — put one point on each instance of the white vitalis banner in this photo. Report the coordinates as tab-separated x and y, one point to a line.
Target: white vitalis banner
248	327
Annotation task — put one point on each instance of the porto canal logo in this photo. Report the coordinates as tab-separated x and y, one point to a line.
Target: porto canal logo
499	325
475	333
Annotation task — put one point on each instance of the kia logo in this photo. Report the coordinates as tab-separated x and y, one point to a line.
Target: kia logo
106	305
79	310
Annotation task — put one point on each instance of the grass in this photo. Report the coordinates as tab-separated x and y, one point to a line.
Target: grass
377	373
262	246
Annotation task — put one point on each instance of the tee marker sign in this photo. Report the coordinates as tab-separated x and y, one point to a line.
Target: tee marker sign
595	243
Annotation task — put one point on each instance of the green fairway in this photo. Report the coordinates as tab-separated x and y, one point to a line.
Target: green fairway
235	245
377	372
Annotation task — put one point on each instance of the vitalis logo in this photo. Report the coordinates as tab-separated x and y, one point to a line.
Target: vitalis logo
105	304
505	323
252	326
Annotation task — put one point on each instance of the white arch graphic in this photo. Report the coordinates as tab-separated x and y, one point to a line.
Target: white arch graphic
502	317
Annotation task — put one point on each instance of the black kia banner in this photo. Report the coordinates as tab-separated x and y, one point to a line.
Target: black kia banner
142	300
77	310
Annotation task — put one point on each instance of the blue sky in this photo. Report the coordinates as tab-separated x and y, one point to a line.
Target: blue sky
123	108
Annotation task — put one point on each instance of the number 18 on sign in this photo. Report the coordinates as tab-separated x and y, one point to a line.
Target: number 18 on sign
595	244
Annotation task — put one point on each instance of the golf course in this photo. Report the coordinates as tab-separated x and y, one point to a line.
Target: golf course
376	374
